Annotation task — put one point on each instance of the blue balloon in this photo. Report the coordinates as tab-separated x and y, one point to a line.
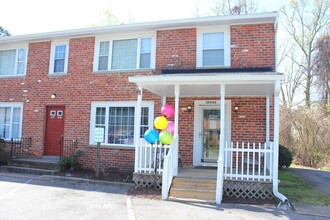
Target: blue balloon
151	136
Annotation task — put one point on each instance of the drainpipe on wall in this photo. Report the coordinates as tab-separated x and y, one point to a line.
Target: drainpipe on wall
284	204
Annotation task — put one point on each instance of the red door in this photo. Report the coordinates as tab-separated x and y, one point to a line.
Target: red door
54	130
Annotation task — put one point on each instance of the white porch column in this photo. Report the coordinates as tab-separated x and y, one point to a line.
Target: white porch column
137	126
267	120
277	86
163	100
176	129
219	190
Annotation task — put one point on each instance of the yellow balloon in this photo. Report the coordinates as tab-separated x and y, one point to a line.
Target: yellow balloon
160	122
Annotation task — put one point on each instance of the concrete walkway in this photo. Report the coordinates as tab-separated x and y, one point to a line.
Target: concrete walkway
35	197
319	180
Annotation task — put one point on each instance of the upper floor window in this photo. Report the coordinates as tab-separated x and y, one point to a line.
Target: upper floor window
13	62
59	58
135	53
213	47
11	120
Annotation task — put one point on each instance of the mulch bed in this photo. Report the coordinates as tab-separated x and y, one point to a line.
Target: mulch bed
114	176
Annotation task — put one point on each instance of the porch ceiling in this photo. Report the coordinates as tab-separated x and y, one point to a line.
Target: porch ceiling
209	84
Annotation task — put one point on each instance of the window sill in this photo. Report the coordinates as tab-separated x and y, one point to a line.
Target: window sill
122	71
116	147
57	74
11	76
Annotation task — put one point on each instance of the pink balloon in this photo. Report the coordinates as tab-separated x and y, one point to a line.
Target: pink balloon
167	111
170	127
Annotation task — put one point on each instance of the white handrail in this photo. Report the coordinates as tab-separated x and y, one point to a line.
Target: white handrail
169	168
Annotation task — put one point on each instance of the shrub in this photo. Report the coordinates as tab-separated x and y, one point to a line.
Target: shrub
285	157
71	163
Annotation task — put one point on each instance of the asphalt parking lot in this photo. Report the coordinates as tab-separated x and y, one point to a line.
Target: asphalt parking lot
33	197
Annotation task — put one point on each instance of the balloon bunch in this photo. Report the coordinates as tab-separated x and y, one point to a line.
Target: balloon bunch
166	127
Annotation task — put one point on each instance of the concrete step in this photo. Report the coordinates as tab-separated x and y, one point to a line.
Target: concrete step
187	194
191	200
38	162
28	170
184	182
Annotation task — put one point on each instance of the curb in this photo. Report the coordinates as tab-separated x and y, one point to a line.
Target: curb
81	180
319	211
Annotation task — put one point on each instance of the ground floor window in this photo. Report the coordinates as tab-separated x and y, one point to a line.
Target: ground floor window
11	120
117	121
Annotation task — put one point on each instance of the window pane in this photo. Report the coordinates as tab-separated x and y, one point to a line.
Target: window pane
213	57
59	66
145	45
21	55
15	131
7	62
103	63
60	52
104	48
145	60
20	68
213	41
124	54
17	115
121	125
144	121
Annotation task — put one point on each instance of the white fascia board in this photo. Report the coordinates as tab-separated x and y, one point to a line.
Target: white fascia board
204	79
269	17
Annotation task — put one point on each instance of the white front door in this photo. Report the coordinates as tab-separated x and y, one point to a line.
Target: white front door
207	131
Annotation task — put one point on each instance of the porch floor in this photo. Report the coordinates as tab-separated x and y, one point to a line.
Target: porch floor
199	173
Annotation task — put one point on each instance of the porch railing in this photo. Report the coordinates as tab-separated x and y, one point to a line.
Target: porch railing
67	147
169	166
19	147
150	157
248	161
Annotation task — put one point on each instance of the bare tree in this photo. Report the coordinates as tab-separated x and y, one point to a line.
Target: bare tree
106	17
304	21
234	7
291	87
322	67
196	9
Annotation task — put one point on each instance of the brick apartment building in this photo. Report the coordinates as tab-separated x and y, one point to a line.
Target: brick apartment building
71	82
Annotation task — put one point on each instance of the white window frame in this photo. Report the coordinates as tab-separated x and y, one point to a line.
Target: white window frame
139	36
199	48
13	105
16	47
52	57
95	105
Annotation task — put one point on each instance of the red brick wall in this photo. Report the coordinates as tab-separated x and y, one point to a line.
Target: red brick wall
177	47
248	125
75	90
258	40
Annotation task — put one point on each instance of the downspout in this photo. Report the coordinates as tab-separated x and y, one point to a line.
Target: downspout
276	144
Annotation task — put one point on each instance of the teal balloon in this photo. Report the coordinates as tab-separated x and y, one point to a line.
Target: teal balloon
151	136
165	137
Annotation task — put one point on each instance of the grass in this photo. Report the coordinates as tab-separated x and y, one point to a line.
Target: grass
325	168
298	191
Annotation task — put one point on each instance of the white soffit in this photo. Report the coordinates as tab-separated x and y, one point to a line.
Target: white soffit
209	84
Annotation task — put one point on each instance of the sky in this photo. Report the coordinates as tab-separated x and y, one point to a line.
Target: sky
22	17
